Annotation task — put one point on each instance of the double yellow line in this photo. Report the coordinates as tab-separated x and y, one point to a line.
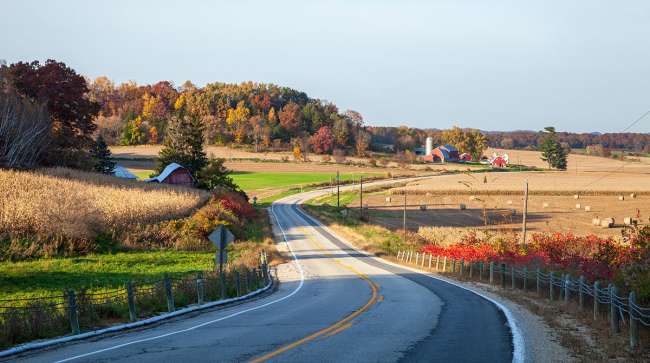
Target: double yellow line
337	327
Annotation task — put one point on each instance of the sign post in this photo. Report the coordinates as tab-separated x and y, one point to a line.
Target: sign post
221	237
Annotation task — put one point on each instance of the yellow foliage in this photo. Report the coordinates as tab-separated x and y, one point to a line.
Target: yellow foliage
297	153
180	102
238	115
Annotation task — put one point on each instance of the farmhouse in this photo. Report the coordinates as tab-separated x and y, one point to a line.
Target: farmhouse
443	153
174	174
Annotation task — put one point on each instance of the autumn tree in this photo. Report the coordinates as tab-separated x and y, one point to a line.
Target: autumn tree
322	141
290	117
469	141
341	131
362	142
237	119
72	113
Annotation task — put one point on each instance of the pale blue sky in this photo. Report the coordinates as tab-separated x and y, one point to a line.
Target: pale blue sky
494	65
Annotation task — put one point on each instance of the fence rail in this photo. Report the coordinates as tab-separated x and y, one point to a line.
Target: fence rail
26	319
620	309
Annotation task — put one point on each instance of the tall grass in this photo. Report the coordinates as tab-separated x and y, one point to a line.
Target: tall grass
48	210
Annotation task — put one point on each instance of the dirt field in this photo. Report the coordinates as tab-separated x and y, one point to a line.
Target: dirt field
504	213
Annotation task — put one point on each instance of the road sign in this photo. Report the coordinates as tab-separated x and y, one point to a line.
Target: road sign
221	237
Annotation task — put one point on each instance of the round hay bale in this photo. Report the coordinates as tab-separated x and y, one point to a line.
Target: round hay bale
578	206
587	208
595	221
620	197
388	199
509	202
632	195
607	222
545	205
576	196
628	221
471	197
463	206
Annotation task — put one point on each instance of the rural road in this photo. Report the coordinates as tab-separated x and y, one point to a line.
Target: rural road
334	303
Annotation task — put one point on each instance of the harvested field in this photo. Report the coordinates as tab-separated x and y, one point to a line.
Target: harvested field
550	183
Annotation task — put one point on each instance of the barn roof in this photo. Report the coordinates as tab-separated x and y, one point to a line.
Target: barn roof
122	172
165	173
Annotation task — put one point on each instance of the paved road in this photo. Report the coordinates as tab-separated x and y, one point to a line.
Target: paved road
334	304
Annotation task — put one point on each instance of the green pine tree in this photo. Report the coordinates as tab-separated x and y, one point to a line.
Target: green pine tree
184	144
102	156
552	151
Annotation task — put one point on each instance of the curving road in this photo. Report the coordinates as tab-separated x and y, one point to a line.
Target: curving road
334	303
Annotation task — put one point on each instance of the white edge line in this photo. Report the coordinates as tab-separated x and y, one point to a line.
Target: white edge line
519	349
31	346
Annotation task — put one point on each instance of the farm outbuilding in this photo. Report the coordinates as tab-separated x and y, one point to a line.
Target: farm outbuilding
124	173
174	174
465	157
443	153
499	162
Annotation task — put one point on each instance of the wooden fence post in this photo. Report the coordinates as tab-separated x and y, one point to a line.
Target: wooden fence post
596	296
471	270
613	309
567	292
480	273
444	264
437	263
491	272
73	314
237	283
550	285
525	272
417	254
462	268
538	282
398	254
130	297
168	293
430	259
513	277
200	292
581	292
503	275
634	325
422	260
453	265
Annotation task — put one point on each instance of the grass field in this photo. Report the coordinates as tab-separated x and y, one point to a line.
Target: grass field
272	180
50	276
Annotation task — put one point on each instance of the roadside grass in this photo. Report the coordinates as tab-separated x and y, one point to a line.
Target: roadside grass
99	272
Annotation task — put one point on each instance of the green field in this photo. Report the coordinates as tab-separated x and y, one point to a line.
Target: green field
106	271
270	180
249	181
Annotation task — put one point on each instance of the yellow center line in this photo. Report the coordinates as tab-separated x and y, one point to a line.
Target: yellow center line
338	326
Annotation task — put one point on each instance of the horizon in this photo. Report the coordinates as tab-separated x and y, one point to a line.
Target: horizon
576	67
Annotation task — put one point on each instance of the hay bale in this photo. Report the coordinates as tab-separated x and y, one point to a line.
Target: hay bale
587	208
628	221
578	206
607	222
620	197
509	202
545	205
576	196
471	197
632	195
595	221
388	199
463	206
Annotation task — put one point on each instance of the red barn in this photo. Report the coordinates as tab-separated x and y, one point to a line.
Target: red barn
499	162
174	174
442	153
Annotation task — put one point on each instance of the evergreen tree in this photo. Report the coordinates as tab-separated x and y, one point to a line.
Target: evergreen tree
552	151
215	175
102	156
184	144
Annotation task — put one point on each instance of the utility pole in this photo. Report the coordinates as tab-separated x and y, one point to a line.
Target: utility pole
404	221
338	191
523	227
361	197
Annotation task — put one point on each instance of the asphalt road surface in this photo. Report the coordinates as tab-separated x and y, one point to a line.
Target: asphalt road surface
334	304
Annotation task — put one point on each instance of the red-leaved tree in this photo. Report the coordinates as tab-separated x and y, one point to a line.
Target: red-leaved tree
322	141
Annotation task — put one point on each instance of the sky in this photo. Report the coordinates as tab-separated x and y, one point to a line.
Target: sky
581	66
